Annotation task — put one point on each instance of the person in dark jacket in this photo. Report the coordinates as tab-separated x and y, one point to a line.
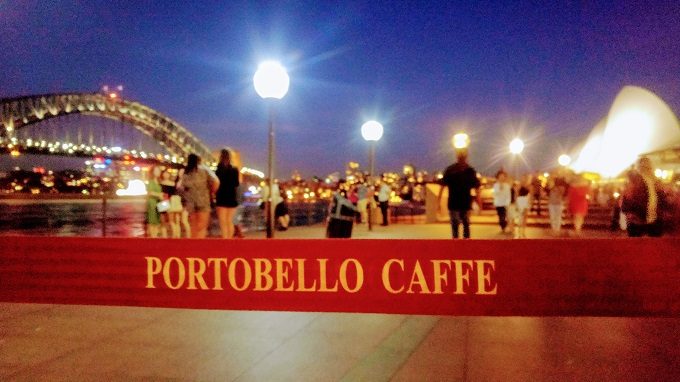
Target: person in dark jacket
342	212
226	199
460	179
643	201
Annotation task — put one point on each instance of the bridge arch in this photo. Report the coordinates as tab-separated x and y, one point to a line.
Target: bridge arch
20	112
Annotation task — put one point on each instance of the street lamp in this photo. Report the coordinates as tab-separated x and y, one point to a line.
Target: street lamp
516	147
372	131
564	160
461	141
271	81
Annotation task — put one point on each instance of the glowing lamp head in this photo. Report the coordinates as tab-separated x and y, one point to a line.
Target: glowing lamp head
516	146
564	160
372	131
271	80
461	141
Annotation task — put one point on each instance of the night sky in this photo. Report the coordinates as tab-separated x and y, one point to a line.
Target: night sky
425	69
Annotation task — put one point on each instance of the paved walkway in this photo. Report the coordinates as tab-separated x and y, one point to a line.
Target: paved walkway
417	230
67	343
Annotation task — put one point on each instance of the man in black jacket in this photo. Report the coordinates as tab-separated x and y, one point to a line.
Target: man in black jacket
461	179
643	201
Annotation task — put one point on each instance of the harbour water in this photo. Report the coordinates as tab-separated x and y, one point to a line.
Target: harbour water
119	218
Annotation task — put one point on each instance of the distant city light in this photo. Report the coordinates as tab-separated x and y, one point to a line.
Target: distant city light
663	174
246	170
135	187
564	160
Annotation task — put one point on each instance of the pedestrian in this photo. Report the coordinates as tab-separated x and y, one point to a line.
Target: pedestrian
172	217
184	214
281	213
198	183
238	215
342	213
225	200
577	195
557	189
501	198
362	203
154	195
522	205
536	194
461	179
643	201
384	193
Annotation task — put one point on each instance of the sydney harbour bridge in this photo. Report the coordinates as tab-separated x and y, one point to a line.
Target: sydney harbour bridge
94	124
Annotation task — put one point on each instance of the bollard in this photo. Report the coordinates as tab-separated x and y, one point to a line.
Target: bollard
104	215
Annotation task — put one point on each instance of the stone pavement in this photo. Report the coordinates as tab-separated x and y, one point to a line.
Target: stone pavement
71	343
486	229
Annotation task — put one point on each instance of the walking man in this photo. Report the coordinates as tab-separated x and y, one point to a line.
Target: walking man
461	179
384	199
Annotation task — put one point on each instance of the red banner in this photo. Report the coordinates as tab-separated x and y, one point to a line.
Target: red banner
626	277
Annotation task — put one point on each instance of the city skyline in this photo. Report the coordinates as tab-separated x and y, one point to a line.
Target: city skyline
547	74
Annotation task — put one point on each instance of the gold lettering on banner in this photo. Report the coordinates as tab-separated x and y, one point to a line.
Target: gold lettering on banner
359	282
386	275
322	278
263	269
462	275
417	277
440	277
247	274
215	263
301	277
484	277
153	267
180	273
264	274
282	268
196	275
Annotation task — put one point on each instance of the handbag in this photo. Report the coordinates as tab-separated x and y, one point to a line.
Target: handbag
163	206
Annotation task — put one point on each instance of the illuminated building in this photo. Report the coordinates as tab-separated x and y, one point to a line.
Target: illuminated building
638	122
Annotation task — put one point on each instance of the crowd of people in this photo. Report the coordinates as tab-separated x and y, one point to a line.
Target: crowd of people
355	203
186	201
180	206
643	207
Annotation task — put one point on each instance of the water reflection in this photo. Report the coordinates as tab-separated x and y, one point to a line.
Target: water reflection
124	217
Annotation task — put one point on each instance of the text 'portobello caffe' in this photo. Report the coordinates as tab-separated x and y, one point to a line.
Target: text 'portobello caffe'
322	275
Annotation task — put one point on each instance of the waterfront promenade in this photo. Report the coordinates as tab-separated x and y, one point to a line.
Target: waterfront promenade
59	342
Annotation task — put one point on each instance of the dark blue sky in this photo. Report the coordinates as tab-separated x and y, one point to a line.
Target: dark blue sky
424	68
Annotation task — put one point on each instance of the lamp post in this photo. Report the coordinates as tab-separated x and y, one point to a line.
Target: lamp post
371	131
271	82
516	147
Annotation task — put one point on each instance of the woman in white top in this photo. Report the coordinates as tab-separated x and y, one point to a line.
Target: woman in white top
502	198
